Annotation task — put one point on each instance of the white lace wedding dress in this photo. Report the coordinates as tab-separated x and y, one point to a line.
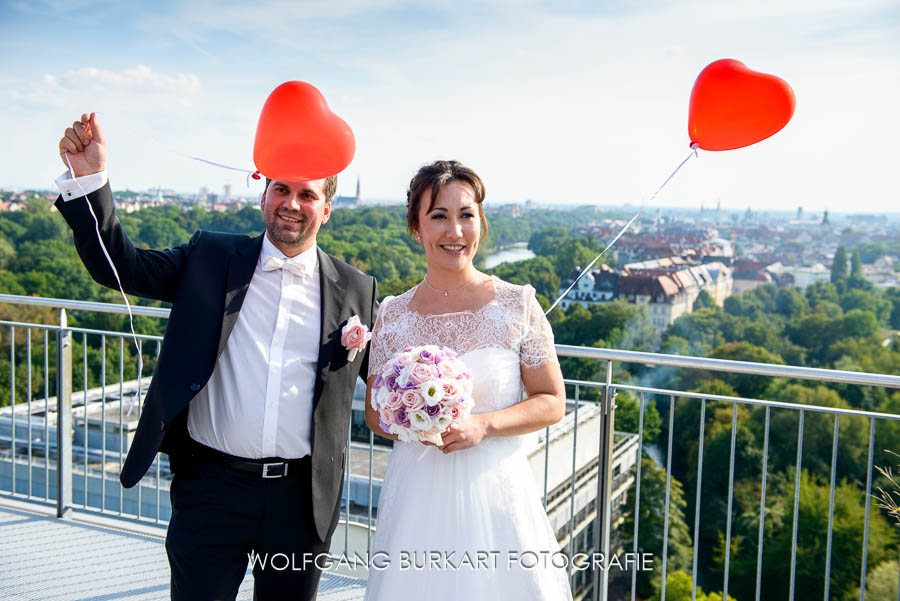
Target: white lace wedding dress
481	502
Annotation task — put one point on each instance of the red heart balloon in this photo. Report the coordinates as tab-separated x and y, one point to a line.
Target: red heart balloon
298	138
733	106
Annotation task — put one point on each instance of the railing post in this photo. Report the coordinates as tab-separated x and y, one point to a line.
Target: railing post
604	486
63	418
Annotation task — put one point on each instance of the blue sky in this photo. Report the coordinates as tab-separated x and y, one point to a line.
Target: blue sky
549	101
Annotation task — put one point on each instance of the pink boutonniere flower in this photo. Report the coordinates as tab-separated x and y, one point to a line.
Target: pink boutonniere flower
354	337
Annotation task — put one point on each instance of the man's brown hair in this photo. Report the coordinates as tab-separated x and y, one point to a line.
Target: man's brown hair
328	188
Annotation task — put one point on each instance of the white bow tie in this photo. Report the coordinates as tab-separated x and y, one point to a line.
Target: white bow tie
296	267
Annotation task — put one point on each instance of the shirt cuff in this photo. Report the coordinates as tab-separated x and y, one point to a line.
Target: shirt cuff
80	186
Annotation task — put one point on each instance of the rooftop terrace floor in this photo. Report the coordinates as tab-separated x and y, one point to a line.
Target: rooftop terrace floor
90	559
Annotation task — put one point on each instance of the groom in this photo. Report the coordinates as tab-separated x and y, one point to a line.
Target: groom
252	390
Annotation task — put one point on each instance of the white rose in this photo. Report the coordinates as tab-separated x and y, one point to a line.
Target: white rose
419	419
432	391
403	378
442	422
378	400
402	433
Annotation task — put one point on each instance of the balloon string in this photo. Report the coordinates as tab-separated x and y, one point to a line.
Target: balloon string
254	174
137	347
166	147
694	147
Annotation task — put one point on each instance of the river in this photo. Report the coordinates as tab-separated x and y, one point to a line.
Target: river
515	252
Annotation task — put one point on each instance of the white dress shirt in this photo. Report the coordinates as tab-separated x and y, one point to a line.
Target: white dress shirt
259	400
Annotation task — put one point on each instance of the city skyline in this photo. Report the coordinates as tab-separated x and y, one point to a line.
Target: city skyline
573	105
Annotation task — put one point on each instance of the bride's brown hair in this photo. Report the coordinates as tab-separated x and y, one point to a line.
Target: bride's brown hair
434	177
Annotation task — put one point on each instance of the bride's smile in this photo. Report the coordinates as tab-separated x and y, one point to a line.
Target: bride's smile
450	229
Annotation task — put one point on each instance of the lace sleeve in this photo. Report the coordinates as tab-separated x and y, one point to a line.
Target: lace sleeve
378	352
537	342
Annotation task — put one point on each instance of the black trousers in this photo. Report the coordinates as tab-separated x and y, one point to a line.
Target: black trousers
221	516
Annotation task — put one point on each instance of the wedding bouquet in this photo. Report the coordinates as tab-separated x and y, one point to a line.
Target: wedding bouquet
421	392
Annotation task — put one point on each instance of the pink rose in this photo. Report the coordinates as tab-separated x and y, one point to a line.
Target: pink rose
387	416
405	357
447	369
451	391
412	400
454	413
355	335
393	401
421	373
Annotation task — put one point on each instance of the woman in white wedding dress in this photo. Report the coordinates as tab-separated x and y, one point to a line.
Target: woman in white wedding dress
464	521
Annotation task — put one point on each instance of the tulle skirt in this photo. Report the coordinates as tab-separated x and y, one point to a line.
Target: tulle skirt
467	526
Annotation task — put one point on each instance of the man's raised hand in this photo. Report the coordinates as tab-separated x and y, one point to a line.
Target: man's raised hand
85	146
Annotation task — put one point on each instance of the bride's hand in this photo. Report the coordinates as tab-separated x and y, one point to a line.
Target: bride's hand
468	434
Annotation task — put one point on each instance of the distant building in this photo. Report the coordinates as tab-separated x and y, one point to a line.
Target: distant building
803	276
512	209
668	287
749	275
348	202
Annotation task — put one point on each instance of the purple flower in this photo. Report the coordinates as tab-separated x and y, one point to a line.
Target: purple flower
384	427
434	410
398	368
378	381
391	382
426	356
401	419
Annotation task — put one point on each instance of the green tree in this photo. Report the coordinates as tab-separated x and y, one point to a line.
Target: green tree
839	265
790	302
746	386
818	429
812	523
704	301
628	415
651	526
881	582
857	279
873	301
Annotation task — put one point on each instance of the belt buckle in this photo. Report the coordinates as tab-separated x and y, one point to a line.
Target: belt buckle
266	466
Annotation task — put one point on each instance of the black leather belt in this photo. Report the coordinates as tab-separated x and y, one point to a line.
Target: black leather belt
271	467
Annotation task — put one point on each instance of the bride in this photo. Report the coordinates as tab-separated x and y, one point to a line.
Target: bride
464	521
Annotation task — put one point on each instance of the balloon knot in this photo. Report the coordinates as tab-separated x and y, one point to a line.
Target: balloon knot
255	175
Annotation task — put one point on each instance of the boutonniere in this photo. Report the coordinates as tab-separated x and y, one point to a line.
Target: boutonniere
354	337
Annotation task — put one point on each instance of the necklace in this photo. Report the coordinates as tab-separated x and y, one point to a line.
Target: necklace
446	292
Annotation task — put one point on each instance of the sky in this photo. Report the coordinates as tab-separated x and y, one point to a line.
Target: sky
555	102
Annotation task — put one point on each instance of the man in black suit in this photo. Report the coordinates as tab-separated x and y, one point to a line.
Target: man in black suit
251	394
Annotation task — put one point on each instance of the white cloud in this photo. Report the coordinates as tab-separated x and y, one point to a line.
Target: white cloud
547	105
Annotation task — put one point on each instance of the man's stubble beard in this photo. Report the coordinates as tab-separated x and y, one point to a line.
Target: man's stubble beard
289	239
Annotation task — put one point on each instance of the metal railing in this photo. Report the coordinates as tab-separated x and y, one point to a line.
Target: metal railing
577	492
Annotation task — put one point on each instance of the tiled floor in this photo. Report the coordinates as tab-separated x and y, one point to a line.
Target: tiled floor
46	559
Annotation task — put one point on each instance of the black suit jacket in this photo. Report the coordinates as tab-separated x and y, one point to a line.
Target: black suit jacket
206	281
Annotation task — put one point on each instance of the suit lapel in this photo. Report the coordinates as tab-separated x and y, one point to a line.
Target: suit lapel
332	297
240	271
